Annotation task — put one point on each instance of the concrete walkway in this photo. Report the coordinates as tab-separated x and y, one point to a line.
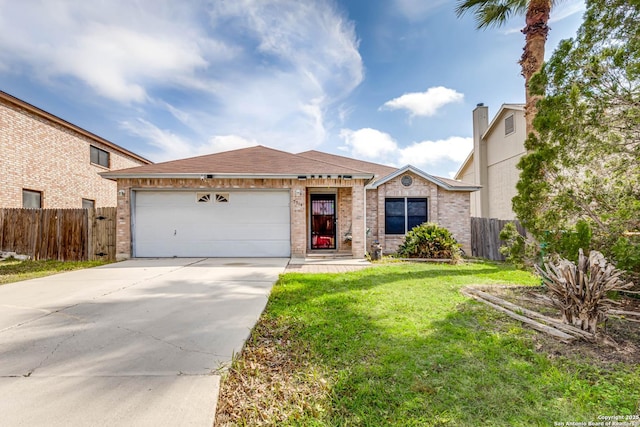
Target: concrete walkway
326	265
139	342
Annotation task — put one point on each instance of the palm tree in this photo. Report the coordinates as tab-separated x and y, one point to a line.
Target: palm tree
496	13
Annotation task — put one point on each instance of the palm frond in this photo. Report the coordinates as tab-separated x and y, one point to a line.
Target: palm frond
491	13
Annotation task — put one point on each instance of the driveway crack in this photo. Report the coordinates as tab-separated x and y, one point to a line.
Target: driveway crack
51	353
179	347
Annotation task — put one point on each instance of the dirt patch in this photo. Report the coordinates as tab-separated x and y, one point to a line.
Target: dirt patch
618	339
272	382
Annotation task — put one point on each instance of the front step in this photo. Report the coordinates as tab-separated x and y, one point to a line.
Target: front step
328	255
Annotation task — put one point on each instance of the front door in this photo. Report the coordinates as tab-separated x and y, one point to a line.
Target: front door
323	221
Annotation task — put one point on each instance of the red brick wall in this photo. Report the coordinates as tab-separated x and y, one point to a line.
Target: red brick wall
38	154
350	200
450	209
447	208
454	213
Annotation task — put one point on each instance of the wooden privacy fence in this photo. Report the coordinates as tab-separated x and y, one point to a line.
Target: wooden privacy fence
485	237
62	234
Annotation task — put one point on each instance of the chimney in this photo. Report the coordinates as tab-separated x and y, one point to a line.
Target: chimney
480	165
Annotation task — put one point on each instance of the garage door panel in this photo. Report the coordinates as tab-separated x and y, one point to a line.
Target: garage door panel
250	232
234	249
194	230
250	223
251	215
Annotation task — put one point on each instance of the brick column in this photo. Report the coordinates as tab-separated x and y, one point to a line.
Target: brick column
123	220
298	221
358	225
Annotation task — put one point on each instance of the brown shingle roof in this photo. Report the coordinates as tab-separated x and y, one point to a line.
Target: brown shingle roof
254	161
260	161
379	170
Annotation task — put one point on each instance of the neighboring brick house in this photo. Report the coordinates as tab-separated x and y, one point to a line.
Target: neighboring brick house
47	162
497	149
263	202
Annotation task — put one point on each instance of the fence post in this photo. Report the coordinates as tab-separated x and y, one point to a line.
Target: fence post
91	222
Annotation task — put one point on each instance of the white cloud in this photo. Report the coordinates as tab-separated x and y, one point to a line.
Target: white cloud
170	146
117	48
227	142
566	9
312	37
370	144
374	145
425	154
425	103
266	70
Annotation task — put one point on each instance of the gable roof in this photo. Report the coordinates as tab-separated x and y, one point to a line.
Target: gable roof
252	162
67	125
463	166
503	109
494	121
447	184
386	173
265	162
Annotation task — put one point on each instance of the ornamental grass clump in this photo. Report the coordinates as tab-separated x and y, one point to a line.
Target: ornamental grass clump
431	241
581	291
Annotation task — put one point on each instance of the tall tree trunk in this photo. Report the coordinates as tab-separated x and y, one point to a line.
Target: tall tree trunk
532	59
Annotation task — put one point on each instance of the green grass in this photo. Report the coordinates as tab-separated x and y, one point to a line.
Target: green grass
12	270
399	345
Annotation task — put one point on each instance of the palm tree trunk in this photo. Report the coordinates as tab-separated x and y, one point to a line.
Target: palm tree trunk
532	59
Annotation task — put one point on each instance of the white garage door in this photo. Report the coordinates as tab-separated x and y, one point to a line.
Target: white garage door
211	224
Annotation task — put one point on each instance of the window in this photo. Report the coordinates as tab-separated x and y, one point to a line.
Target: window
88	204
99	157
509	125
402	214
31	199
407	181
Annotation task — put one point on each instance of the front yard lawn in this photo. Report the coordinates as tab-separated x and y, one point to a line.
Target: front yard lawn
12	270
399	345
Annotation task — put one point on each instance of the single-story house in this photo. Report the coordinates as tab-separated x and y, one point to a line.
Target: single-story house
47	162
261	202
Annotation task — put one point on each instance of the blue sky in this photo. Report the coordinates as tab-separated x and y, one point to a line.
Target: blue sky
389	81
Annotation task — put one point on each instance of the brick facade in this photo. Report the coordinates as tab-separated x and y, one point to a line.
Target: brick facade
43	153
450	209
447	208
350	195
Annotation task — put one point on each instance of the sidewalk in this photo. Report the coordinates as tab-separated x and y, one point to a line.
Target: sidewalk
326	265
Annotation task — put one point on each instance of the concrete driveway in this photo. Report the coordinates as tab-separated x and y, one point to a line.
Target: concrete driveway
139	342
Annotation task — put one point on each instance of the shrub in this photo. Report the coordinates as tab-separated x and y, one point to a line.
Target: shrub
429	240
513	249
567	243
517	249
626	253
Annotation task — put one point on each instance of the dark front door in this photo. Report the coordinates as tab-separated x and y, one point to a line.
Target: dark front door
323	221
